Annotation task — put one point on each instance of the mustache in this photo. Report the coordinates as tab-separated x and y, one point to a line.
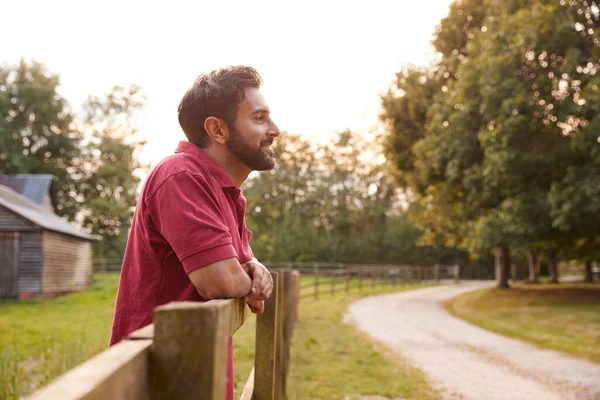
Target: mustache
267	141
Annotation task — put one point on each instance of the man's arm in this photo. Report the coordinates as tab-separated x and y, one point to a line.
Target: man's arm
221	280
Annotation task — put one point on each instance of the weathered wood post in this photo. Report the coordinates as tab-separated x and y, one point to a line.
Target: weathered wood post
265	358
297	277
280	345
288	317
189	358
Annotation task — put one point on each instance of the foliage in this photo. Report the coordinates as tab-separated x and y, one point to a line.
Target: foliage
109	172
331	202
498	141
93	159
37	134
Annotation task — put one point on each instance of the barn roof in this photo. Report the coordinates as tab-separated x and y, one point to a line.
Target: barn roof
33	186
37	214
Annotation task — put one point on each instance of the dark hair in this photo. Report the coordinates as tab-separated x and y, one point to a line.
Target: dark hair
216	94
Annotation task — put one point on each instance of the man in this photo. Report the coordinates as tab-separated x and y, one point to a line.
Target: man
188	239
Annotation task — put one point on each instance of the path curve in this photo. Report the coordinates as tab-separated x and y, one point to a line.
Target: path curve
464	361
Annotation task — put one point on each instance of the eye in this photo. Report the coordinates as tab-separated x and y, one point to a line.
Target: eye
259	118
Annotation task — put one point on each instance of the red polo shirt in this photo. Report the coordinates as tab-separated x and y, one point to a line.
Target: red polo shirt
189	215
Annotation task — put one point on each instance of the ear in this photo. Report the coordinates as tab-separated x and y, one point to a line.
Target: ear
216	129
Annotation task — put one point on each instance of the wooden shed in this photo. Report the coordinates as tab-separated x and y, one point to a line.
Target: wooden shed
41	255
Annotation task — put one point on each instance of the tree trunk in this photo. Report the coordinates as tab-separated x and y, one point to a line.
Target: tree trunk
588	270
553	265
502	266
532	263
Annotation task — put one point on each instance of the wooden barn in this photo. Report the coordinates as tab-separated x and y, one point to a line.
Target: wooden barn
41	255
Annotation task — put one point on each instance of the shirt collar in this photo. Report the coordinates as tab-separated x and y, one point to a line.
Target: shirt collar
215	169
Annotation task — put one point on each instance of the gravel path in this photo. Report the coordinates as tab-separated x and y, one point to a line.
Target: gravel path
467	362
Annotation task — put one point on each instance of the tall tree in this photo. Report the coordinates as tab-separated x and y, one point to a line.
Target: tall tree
37	134
110	171
495	138
93	159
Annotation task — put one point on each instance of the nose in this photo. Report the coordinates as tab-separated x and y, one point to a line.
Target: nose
273	130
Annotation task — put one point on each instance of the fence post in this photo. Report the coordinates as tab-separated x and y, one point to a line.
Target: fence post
347	280
188	337
288	324
436	272
297	277
372	277
457	272
280	345
316	274
266	345
332	274
360	279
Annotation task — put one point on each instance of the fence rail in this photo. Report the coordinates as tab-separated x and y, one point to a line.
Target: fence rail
310	268
330	281
183	354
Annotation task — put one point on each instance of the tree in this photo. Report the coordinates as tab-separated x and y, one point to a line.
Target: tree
495	138
37	134
110	169
330	202
93	159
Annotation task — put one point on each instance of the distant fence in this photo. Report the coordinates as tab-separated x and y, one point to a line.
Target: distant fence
445	271
104	265
183	354
321	279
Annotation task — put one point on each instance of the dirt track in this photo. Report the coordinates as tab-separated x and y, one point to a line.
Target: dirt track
467	362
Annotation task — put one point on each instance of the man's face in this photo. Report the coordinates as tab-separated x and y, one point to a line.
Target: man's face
253	132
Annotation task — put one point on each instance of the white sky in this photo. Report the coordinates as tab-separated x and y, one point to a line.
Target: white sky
324	63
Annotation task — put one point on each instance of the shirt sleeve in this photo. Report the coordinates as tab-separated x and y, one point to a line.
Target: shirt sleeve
190	219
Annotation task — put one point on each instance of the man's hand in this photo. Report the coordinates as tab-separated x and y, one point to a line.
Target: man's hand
262	285
256	306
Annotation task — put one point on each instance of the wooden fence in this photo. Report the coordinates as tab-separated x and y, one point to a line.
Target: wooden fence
183	354
321	281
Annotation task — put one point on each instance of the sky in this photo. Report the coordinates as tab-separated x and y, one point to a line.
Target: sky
324	63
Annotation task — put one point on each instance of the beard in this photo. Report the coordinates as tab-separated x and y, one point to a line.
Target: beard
254	158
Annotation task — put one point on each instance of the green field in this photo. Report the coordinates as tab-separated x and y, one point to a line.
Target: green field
40	340
563	317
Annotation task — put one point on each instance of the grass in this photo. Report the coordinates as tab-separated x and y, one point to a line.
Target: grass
563	317
39	340
331	359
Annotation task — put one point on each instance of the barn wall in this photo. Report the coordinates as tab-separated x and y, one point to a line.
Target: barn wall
67	263
9	221
30	262
9	265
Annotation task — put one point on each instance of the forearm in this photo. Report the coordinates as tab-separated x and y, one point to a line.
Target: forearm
239	285
221	280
